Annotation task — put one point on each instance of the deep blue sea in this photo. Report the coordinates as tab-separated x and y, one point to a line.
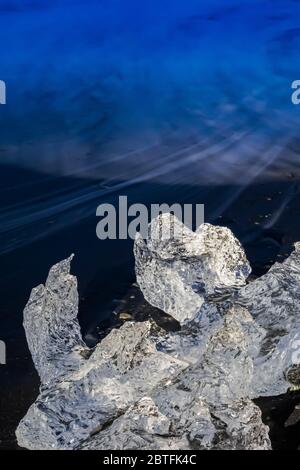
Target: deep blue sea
159	100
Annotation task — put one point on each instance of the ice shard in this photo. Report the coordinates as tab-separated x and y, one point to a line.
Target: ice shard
177	269
145	427
51	325
219	382
203	407
273	300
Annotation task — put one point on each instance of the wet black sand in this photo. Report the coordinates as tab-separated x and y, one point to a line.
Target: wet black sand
265	217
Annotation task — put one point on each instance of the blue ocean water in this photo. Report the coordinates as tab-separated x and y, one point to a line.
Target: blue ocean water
100	88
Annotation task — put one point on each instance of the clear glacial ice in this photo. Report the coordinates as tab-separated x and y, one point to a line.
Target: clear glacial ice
145	388
177	269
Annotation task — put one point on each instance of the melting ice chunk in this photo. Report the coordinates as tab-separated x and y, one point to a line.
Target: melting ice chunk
273	300
144	388
177	269
51	325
